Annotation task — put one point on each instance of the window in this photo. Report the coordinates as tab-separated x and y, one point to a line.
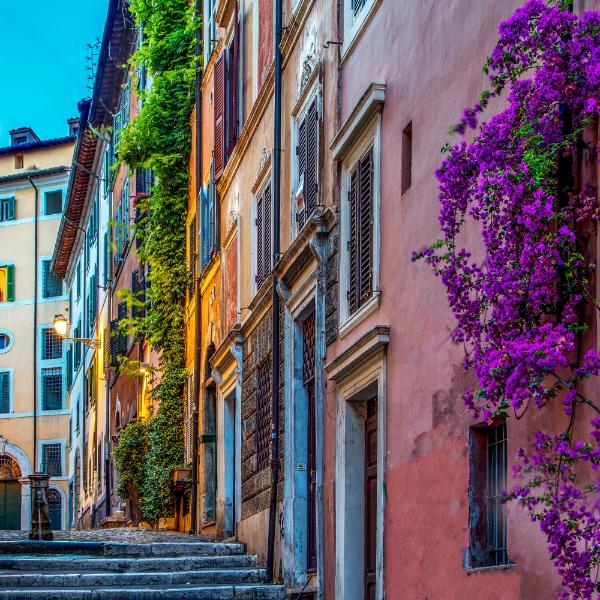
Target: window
263	235
54	202
52	392
307	163
19	161
52	459
192	256
263	415
210	220
7	283
78	282
118	339
356	13
121	119
6	341
357	6
52	345
122	225
406	158
90	306
90	387
219	105
52	284
5	392
138	291
210	31
360	241
7	209
77	347
486	488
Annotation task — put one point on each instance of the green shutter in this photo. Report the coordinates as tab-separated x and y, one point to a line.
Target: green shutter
4	392
10	283
11	209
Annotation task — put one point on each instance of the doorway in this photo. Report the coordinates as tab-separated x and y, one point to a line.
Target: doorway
230	463
10	494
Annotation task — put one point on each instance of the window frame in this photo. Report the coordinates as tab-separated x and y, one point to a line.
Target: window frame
354	25
11	390
48	367
8	204
58	442
11	340
48	260
10	282
45	212
259	189
299	114
370	136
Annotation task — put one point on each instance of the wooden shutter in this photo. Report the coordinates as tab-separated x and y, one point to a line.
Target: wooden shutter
69	368
219	106
259	240
360	243
267	259
301	154
11	209
135	288
10	283
311	172
192	256
114	341
122	314
204	226
233	68
106	348
5	392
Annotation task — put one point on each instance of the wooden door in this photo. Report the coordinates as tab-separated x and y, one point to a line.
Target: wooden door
10	505
371	499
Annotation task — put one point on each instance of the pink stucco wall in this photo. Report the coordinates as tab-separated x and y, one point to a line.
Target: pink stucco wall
429	55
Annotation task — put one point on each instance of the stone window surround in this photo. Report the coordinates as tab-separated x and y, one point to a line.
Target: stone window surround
361	366
360	130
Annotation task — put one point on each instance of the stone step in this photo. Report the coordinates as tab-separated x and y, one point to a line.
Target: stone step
27	547
87	564
101	580
187	592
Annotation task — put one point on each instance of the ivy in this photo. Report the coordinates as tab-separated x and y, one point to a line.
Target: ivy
159	138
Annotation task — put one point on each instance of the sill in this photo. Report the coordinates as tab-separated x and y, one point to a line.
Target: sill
362	313
357	32
491	568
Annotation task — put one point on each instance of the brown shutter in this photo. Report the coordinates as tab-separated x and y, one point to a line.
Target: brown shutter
353	197
233	85
259	240
312	160
366	228
301	152
267	259
219	105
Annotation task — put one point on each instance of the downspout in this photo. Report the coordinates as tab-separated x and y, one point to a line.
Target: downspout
108	300
198	298
275	329
35	318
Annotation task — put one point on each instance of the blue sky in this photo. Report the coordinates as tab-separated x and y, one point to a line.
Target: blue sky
43	62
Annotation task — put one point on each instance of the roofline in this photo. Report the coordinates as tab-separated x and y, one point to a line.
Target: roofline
18	149
36	173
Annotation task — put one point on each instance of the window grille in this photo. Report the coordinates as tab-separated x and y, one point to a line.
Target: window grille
54	202
263	415
52	285
360	243
4	392
52	389
52	347
52	459
496	506
9	469
7	209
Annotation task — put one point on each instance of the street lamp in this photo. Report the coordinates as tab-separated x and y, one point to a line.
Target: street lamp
61	326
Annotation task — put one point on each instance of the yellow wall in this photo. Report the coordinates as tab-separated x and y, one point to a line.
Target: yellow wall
17	248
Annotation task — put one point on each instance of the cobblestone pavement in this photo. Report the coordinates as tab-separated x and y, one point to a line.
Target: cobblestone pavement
132	535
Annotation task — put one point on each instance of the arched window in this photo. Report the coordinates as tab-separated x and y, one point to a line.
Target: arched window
9	469
55	503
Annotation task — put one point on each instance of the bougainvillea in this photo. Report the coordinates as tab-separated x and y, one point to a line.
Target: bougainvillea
523	297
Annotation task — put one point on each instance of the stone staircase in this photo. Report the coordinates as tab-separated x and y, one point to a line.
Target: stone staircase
71	570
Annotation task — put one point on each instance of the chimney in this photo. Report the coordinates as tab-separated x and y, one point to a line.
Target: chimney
73	126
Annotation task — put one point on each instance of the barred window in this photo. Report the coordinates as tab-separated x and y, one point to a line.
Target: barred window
488	545
52	389
263	415
52	284
52	345
52	459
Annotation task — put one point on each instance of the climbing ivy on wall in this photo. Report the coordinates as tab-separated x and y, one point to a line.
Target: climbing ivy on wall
159	138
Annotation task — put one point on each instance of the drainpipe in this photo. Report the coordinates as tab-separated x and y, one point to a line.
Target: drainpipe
275	329
198	298
108	300
35	319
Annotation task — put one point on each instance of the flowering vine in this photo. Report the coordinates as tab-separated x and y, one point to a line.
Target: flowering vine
523	298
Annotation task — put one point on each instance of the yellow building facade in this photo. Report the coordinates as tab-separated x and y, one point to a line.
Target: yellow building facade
34	416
